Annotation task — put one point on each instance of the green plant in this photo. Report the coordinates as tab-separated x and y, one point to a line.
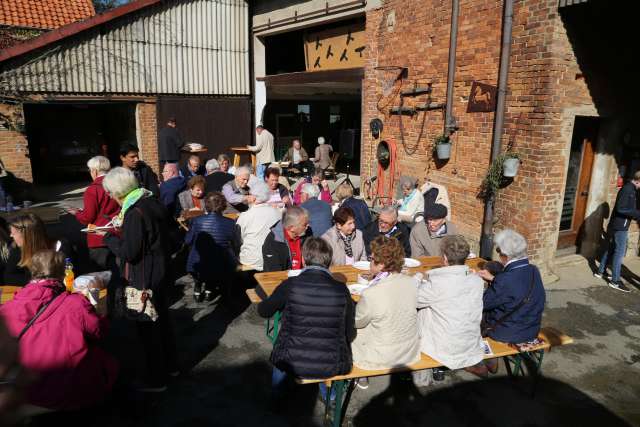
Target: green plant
494	178
441	139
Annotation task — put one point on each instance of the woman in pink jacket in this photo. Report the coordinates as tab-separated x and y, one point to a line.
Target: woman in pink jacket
318	179
59	348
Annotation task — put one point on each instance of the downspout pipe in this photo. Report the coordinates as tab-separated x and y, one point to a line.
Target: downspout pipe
450	125
486	239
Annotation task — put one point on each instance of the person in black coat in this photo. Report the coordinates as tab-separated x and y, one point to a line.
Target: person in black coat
387	225
215	177
281	249
142	246
147	178
344	193
624	211
317	320
170	143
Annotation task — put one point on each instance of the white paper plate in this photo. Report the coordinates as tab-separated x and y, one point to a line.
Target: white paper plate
362	265
356	288
411	263
102	227
293	273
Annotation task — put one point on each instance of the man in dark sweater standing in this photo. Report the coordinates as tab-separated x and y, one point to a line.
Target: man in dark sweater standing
624	211
170	143
147	178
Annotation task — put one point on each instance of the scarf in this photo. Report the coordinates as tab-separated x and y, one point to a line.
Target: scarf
129	200
346	240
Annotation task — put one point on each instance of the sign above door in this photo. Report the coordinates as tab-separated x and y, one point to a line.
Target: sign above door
336	48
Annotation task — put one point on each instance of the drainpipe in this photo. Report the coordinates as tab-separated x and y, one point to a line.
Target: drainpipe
450	125
486	240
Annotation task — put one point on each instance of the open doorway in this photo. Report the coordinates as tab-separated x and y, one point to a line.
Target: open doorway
576	193
62	137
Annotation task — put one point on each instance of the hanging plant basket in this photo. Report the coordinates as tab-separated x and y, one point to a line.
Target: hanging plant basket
443	147
510	166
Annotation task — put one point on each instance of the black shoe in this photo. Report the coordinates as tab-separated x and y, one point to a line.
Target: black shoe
438	374
619	286
198	294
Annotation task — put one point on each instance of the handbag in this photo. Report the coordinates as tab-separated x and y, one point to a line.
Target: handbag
136	304
486	328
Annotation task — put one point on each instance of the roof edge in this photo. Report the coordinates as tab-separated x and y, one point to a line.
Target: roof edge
74	28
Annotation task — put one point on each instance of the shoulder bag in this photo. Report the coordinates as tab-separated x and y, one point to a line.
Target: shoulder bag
486	328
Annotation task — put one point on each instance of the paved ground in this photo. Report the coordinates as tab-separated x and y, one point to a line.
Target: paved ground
225	358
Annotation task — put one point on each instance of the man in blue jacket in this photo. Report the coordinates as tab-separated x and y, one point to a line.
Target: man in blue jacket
172	185
624	211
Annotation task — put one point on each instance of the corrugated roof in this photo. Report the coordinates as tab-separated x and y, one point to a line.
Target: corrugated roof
44	14
563	3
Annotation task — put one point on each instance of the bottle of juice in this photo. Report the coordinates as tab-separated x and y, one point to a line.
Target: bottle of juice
68	274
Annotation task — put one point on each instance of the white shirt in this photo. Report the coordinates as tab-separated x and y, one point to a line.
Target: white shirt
296	156
255	224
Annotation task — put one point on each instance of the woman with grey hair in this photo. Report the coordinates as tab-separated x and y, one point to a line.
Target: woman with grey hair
142	247
412	202
98	210
255	224
514	301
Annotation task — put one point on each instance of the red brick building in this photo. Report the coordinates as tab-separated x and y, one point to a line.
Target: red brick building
570	106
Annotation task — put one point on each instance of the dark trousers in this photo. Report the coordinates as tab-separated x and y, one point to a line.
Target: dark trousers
158	344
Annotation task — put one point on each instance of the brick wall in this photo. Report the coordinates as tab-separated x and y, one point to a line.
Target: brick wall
541	105
147	134
14	150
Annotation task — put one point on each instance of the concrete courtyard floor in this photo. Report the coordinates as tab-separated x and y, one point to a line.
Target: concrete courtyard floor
225	356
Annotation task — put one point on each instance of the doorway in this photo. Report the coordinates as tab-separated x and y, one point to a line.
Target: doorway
576	193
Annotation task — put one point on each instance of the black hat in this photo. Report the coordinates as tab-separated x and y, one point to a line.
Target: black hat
435	211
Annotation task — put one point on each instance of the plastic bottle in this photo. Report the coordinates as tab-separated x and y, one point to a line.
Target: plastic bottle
68	274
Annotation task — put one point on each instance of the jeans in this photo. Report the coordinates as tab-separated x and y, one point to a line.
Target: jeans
324	390
278	381
619	242
260	168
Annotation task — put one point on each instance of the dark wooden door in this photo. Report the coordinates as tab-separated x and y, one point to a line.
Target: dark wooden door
579	172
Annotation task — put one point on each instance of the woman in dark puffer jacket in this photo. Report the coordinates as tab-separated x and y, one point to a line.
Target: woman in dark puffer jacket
317	320
214	247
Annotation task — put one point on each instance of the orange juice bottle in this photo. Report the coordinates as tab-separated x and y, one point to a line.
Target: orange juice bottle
68	274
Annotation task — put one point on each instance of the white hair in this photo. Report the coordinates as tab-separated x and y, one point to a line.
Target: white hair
261	191
99	164
293	216
243	170
320	140
512	244
119	182
389	210
311	189
212	165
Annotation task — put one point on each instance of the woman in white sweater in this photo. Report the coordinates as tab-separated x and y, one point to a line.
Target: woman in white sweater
412	202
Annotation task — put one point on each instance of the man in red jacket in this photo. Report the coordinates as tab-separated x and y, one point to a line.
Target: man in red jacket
98	210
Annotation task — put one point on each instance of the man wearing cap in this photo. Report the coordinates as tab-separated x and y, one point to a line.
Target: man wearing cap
426	235
170	143
263	150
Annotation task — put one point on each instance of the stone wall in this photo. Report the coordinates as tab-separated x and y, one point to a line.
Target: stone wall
544	98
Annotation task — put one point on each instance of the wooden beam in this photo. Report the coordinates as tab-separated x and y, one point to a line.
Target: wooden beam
346	75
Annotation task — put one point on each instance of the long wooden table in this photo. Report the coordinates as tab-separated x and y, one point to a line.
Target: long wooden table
9	291
343	273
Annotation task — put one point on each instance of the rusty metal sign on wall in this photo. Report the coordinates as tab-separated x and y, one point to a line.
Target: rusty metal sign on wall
482	98
334	49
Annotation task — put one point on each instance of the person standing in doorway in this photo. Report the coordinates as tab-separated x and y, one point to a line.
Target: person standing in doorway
624	211
130	158
170	143
263	150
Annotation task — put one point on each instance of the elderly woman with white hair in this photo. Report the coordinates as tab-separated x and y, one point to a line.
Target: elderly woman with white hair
322	157
411	203
255	224
142	247
514	301
98	211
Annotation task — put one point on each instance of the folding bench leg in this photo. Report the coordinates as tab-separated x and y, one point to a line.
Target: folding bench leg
334	415
528	362
273	328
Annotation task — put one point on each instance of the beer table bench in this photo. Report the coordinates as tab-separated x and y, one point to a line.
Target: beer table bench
343	273
514	361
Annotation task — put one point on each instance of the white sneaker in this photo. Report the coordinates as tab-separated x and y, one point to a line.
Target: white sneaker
363	383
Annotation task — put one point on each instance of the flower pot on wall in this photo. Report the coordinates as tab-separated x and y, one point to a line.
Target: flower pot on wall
443	151
510	167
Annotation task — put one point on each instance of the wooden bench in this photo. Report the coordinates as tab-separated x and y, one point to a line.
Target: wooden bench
514	362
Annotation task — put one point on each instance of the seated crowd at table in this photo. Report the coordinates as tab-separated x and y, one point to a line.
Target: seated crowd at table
229	221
